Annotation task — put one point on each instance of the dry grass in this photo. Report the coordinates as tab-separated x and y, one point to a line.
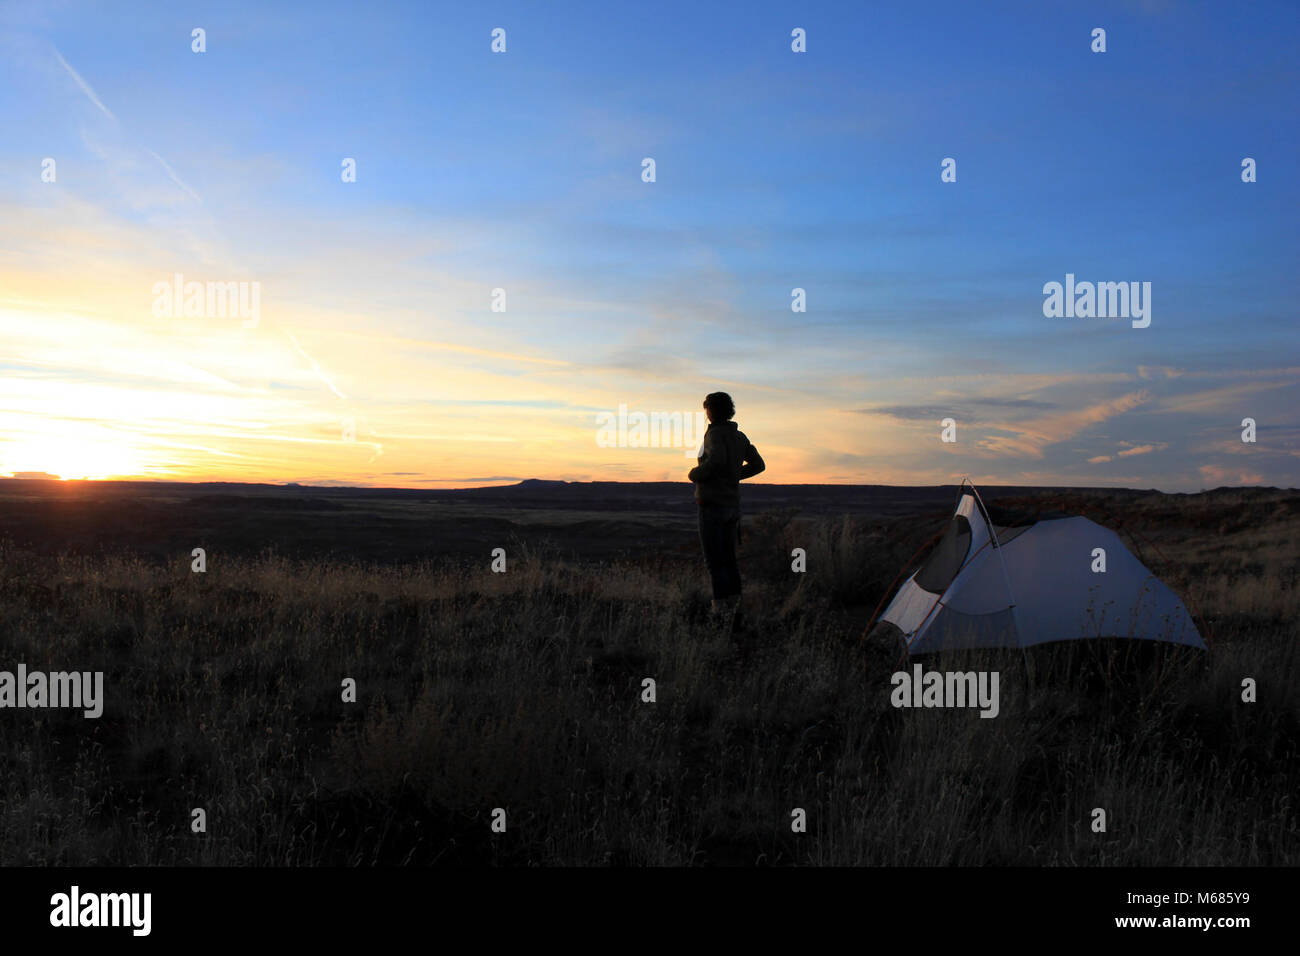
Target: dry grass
522	690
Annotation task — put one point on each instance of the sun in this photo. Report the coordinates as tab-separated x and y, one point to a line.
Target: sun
71	458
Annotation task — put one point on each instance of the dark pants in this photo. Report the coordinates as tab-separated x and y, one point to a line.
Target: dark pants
719	530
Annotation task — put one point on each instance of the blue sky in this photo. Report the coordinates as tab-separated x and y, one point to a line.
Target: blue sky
775	170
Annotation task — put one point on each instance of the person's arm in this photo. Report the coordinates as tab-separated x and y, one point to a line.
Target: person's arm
753	463
707	469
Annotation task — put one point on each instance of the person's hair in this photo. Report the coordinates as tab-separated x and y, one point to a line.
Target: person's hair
720	404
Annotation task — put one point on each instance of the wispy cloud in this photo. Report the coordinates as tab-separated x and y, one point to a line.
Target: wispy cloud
965	410
315	366
1159	371
1224	476
174	178
1228	398
99	104
1138	450
85	87
1028	439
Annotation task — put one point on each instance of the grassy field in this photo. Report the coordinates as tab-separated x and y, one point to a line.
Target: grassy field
522	690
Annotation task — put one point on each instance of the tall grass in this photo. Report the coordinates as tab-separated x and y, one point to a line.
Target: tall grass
523	691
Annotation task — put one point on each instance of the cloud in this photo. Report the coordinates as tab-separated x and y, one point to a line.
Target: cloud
407	344
1159	371
315	366
964	410
1225	476
1139	450
85	87
94	98
1229	398
1098	459
1028	439
174	178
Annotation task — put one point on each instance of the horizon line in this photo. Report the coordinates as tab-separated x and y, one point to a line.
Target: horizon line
55	479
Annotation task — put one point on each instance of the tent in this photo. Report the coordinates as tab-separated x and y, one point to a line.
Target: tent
1030	581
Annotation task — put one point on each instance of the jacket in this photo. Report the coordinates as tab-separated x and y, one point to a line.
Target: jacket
726	457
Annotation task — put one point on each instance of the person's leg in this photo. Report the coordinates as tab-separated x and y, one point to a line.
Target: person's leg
713	543
730	564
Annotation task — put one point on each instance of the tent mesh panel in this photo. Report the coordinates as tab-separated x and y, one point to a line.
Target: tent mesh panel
947	557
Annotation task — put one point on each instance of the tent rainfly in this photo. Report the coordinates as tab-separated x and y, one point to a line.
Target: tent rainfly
987	585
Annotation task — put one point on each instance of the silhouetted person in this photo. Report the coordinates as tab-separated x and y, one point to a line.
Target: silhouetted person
726	457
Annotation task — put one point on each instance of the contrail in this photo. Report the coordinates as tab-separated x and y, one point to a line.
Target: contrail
176	179
85	87
314	366
94	98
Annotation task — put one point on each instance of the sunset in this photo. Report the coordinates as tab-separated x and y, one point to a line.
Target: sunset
499	273
621	436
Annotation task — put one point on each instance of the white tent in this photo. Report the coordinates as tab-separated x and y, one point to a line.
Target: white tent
985	585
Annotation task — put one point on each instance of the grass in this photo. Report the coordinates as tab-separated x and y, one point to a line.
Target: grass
523	691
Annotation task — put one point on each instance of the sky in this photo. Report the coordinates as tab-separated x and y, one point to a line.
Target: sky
378	352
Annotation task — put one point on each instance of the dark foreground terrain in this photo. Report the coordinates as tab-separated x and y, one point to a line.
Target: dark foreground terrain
523	690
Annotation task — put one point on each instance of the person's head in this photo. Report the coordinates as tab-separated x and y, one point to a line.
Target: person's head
719	407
